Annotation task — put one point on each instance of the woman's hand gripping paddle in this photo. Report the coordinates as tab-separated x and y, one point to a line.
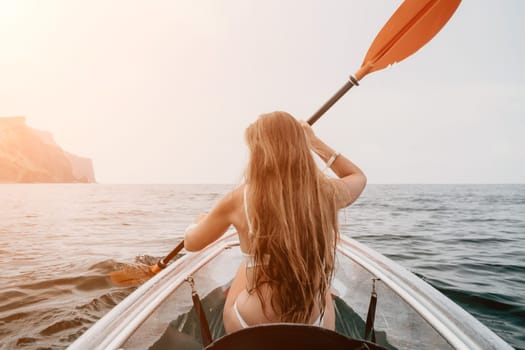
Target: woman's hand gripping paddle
413	24
136	275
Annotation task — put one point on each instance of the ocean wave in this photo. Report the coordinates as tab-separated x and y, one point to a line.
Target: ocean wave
501	312
484	240
423	209
64	325
30	315
490	301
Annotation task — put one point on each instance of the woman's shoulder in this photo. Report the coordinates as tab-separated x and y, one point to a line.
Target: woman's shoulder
232	205
233	199
237	193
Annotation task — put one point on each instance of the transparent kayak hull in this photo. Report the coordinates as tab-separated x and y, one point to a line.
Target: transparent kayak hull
410	314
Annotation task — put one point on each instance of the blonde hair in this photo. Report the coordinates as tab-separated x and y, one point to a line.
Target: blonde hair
293	213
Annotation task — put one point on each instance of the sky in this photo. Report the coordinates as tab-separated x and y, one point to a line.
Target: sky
162	91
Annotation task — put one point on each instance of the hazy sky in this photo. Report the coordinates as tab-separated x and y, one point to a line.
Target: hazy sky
161	91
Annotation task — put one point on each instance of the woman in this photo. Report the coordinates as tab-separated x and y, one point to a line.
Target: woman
286	218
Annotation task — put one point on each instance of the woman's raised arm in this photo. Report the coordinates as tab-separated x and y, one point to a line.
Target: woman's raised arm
351	181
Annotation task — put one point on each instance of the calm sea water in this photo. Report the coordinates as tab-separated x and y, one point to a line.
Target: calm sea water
59	242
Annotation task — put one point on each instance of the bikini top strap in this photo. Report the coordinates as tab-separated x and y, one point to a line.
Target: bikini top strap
250	231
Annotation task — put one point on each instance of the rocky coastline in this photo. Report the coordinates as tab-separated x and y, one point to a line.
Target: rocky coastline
28	155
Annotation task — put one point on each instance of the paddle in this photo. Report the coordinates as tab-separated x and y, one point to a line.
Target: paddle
135	275
413	24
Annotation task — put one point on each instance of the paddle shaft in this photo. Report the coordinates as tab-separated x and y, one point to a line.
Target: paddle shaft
164	261
413	24
351	82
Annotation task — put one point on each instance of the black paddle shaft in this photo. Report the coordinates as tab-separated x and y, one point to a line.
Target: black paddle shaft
351	82
164	261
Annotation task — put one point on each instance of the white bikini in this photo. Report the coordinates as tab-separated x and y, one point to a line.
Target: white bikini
246	257
318	322
248	260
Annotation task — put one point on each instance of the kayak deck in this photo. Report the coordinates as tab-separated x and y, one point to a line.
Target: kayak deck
410	313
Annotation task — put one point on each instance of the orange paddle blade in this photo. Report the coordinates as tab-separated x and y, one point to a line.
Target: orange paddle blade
132	275
136	275
413	24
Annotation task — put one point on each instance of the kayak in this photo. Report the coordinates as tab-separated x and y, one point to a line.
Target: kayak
368	290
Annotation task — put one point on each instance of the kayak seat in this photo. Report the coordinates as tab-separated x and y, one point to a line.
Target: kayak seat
279	336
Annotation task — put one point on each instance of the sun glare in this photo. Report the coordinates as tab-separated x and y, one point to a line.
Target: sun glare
9	9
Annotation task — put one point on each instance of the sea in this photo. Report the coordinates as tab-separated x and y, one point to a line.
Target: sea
59	242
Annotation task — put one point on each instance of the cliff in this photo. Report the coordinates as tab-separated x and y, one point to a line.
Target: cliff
28	155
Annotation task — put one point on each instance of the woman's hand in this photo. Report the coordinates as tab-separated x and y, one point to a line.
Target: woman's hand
316	144
310	135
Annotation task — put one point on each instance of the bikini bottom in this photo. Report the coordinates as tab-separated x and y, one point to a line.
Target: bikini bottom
317	322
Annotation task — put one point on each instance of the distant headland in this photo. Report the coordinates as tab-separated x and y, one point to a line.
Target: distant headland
28	155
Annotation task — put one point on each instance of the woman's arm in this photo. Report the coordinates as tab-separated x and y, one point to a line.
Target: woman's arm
351	180
211	226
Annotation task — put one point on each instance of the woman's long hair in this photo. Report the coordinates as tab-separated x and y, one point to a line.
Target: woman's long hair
293	214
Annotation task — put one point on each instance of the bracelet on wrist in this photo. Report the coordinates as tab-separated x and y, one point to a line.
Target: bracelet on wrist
332	159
